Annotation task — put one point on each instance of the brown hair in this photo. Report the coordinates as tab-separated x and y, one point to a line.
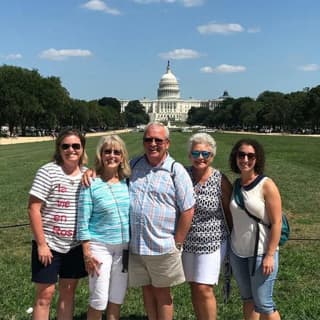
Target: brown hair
63	134
258	149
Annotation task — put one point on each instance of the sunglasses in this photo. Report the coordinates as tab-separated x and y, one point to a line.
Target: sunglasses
75	146
250	155
115	152
156	140
205	154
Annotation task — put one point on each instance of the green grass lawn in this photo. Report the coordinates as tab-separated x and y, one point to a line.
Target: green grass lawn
293	162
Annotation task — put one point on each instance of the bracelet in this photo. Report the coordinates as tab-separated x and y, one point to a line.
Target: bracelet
179	246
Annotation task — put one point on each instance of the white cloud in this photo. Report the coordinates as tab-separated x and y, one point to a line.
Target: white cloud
254	30
99	5
227	28
179	54
192	3
63	54
207	69
310	67
13	56
153	1
185	3
223	68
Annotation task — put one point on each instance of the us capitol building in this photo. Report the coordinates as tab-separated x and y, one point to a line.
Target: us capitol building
169	106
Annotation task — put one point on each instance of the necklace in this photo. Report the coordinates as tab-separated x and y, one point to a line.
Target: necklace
117	206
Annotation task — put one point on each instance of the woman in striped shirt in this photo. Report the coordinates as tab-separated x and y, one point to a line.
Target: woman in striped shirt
56	254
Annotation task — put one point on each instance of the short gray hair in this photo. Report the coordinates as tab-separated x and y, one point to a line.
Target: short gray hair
203	138
157	124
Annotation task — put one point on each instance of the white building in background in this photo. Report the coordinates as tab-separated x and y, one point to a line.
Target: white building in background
169	106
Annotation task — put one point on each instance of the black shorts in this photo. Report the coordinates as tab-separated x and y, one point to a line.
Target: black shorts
68	265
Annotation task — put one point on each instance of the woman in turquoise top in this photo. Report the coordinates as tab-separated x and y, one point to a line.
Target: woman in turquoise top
103	228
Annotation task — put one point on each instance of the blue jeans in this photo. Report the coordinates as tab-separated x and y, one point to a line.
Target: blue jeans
257	287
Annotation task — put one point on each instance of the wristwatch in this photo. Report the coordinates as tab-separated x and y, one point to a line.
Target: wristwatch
179	246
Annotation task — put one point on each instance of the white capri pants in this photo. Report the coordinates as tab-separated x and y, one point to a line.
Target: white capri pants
111	284
204	268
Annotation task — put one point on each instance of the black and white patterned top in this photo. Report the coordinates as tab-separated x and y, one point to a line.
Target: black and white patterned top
208	229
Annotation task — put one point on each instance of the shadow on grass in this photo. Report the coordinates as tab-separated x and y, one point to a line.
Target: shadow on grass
131	317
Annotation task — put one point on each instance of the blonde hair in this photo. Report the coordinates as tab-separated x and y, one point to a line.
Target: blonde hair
124	170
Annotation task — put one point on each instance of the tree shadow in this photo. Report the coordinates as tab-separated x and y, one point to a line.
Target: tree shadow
83	316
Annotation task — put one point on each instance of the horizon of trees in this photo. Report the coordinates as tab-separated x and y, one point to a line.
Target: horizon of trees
28	99
296	112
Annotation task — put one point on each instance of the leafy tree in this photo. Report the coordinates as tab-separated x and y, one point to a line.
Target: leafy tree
198	116
314	107
80	113
276	108
95	112
19	103
248	114
56	103
298	113
135	114
110	102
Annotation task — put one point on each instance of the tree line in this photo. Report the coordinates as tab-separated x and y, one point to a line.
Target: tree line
275	111
28	99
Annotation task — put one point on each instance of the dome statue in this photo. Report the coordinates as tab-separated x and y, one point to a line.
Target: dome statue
168	86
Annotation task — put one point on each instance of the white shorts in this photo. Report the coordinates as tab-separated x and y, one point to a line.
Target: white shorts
111	284
204	268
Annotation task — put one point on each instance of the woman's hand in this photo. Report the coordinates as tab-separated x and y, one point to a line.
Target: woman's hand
44	254
87	176
267	264
92	265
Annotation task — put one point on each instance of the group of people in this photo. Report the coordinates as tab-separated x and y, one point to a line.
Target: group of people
161	221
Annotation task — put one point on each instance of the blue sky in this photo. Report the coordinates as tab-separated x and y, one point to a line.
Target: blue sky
120	48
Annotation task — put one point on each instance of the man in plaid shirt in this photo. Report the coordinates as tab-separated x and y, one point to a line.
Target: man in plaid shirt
161	211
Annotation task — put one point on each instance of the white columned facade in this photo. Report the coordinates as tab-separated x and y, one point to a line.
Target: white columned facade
169	105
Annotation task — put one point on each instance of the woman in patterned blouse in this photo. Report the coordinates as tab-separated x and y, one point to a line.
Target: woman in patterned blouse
206	244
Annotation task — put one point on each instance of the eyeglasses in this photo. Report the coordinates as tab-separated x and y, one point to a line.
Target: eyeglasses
250	155
75	146
156	140
115	152
205	154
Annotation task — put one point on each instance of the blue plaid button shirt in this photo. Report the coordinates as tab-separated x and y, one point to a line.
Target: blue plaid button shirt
156	200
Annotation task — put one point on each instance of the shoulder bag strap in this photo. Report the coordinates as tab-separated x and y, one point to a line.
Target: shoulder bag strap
238	196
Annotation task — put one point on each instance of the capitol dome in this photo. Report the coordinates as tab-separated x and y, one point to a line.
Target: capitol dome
168	86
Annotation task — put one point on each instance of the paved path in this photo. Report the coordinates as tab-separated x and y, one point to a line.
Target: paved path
4	141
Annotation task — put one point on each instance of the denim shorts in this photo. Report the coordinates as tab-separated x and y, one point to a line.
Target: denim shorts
68	265
257	287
